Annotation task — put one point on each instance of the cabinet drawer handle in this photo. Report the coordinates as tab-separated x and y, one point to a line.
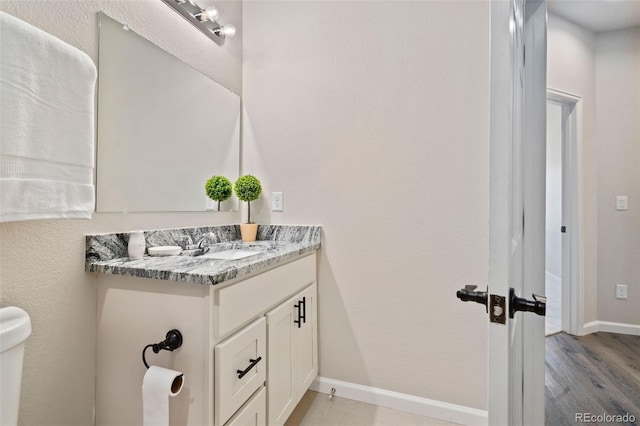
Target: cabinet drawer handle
303	317
242	373
301	306
298	307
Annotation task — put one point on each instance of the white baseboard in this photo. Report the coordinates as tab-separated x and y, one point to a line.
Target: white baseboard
403	402
590	327
611	327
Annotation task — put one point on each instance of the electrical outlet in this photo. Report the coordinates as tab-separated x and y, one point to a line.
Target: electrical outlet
621	291
277	202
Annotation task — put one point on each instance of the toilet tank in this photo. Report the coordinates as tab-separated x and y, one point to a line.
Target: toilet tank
15	327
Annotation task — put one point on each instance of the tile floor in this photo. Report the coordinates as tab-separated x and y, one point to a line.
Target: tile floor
316	409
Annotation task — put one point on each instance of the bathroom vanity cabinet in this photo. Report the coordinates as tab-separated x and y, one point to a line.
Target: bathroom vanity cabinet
249	347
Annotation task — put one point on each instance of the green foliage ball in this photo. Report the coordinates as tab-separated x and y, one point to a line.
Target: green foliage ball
247	188
218	188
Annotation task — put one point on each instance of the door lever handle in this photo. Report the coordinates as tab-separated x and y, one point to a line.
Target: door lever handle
468	294
538	305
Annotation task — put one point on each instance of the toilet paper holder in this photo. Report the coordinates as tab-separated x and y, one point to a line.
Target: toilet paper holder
172	341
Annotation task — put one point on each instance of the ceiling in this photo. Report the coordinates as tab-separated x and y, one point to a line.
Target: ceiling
598	15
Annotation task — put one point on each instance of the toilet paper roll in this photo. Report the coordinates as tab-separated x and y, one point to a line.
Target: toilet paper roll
157	386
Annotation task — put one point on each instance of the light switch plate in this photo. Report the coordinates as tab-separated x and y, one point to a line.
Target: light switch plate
277	202
622	202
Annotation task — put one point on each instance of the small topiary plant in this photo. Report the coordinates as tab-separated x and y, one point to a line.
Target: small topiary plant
247	188
218	188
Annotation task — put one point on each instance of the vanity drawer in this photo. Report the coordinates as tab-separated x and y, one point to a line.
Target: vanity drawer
238	303
243	354
254	413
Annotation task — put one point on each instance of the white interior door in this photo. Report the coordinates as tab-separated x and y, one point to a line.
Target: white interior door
517	215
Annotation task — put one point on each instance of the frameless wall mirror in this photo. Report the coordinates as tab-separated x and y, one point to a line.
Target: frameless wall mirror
163	128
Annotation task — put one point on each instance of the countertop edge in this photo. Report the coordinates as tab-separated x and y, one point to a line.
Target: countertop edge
227	274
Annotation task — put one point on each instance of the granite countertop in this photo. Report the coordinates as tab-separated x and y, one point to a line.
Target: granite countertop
107	253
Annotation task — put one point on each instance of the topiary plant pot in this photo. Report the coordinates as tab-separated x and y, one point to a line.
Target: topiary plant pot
248	231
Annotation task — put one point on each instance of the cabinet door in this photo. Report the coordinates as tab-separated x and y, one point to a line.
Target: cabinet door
281	394
305	343
292	353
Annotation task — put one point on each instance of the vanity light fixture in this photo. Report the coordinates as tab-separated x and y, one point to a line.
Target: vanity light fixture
203	19
227	30
208	14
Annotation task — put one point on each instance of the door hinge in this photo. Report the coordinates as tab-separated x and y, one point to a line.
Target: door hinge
563	229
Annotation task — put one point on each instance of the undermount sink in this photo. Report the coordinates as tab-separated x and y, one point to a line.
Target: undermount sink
232	254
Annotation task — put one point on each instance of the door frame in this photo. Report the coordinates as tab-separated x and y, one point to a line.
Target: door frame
572	252
517	176
535	155
501	116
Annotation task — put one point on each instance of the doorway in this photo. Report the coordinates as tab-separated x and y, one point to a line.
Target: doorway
563	225
554	224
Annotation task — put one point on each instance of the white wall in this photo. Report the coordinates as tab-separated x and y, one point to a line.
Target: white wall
42	262
553	249
571	68
373	118
618	136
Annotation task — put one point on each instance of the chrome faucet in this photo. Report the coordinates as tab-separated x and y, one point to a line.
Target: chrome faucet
204	241
188	242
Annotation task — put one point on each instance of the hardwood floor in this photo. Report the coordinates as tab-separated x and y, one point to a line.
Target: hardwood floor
597	374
